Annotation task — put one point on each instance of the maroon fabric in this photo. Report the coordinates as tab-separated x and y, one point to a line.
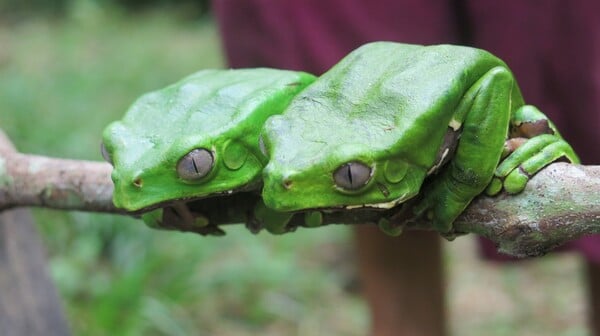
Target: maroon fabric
552	46
312	35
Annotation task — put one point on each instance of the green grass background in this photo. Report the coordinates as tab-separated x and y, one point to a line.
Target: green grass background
62	81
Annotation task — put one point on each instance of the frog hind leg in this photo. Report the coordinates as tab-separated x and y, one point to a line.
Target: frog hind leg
542	146
484	114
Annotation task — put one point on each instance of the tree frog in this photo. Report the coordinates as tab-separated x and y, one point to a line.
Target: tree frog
392	120
195	138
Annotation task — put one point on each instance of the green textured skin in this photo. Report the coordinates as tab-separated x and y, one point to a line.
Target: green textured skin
389	106
221	110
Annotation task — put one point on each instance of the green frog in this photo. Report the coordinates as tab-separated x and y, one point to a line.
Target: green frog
393	121
194	139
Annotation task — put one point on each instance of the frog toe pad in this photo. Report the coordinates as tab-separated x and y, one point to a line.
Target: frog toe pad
527	160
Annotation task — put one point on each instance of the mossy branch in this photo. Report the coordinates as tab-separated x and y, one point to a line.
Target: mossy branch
559	204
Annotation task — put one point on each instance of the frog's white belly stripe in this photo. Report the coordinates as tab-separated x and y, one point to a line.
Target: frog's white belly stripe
455	124
439	163
384	205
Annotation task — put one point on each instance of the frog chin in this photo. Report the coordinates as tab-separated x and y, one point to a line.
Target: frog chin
188	213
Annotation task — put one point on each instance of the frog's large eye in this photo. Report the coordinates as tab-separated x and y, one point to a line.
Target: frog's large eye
195	164
105	153
352	175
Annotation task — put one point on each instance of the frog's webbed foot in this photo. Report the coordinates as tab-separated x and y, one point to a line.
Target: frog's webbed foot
534	144
514	172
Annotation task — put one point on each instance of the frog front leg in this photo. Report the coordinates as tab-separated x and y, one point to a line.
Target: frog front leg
482	117
277	223
538	144
274	222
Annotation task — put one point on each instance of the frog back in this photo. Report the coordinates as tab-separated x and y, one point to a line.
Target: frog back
388	97
208	104
381	112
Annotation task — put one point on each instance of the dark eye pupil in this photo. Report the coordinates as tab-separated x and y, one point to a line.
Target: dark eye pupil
261	145
195	165
348	169
352	175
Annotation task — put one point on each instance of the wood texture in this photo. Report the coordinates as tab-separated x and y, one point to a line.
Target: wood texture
29	304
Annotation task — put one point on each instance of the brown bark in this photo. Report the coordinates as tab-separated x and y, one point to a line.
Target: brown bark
29	304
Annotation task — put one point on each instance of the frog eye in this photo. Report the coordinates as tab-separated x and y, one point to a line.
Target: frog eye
195	164
105	153
352	175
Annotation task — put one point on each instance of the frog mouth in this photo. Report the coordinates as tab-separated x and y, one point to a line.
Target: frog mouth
202	215
179	217
206	216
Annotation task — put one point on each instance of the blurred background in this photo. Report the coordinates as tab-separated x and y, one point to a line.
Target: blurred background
69	67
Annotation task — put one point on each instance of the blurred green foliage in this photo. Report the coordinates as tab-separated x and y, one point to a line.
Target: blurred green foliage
61	83
21	8
17	10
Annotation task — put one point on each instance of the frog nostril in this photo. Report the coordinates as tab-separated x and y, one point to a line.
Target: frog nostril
287	183
137	182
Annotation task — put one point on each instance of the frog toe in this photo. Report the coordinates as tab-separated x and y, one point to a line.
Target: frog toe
528	121
389	228
254	225
516	181
494	187
529	159
523	153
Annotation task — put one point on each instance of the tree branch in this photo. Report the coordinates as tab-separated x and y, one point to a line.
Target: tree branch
31	180
559	204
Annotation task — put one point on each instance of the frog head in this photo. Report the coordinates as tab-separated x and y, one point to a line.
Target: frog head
196	138
326	174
